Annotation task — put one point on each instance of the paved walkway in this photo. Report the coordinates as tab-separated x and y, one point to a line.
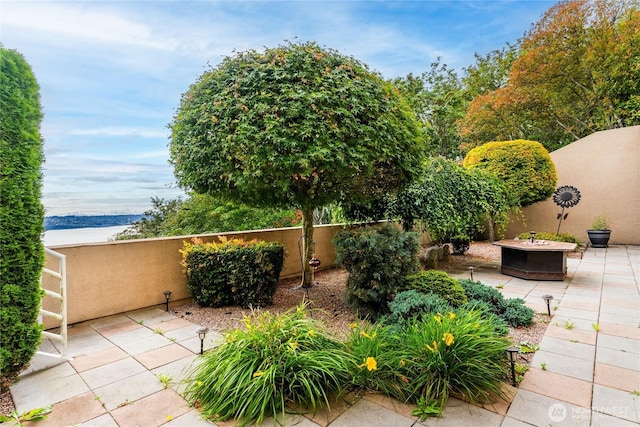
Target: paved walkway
586	372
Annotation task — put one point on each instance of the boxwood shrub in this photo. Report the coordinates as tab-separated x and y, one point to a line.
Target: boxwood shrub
233	272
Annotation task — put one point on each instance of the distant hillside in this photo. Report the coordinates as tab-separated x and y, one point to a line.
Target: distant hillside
81	221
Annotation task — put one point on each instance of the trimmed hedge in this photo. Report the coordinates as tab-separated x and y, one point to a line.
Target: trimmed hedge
525	166
233	272
560	237
21	214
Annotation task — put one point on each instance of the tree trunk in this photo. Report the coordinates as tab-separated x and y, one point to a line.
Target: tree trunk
307	245
492	228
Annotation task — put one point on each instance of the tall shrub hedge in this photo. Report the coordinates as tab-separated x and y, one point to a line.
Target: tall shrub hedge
21	213
233	272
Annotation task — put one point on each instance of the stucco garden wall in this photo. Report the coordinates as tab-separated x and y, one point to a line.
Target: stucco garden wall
115	277
605	168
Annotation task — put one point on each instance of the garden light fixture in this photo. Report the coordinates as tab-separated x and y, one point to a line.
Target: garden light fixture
470	268
167	295
533	236
547	298
202	332
512	351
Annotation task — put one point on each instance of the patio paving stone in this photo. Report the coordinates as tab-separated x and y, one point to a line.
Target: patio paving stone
139	340
367	414
128	390
105	420
111	372
619	358
619	343
539	410
74	411
565	365
568	348
616	377
152	410
100	358
617	403
558	386
163	355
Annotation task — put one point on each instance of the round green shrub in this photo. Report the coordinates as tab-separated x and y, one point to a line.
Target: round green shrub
517	314
438	283
525	166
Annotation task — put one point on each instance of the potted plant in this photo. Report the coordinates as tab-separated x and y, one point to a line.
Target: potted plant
600	232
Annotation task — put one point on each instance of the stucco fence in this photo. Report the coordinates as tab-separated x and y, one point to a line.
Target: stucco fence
115	277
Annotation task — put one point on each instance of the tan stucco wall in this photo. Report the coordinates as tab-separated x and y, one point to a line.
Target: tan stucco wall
605	168
115	277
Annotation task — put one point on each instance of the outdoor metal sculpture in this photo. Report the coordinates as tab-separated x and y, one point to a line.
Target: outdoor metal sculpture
566	196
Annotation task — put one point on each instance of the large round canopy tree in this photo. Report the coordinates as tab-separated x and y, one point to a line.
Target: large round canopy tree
296	126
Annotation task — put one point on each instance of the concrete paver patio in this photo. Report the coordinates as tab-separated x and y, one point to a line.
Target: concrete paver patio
586	372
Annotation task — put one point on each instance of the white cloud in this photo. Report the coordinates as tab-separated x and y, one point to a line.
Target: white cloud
121	131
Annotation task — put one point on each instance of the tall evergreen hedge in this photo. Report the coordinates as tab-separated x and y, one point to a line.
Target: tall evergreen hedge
21	213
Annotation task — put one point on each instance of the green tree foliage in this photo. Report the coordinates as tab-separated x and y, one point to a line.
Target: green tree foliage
577	72
524	166
296	126
202	213
450	200
439	101
21	213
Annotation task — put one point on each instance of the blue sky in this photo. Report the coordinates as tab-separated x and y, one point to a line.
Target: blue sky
111	72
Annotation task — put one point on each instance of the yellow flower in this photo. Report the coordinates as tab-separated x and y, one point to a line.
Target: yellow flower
293	345
372	365
433	349
366	335
353	325
437	319
199	382
258	374
447	338
402	362
452	315
169	417
312	333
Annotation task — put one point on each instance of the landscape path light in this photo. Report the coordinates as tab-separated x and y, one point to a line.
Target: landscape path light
470	268
167	295
202	333
547	298
512	351
533	236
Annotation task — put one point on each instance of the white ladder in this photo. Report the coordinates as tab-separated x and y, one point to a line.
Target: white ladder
61	296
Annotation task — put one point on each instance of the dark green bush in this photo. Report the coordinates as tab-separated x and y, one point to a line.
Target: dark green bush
561	237
512	310
414	305
460	244
481	292
21	214
438	283
516	313
378	259
233	272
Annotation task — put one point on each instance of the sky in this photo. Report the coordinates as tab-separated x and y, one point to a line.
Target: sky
111	73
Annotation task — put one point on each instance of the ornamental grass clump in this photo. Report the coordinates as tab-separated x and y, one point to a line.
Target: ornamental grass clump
455	352
278	359
427	360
